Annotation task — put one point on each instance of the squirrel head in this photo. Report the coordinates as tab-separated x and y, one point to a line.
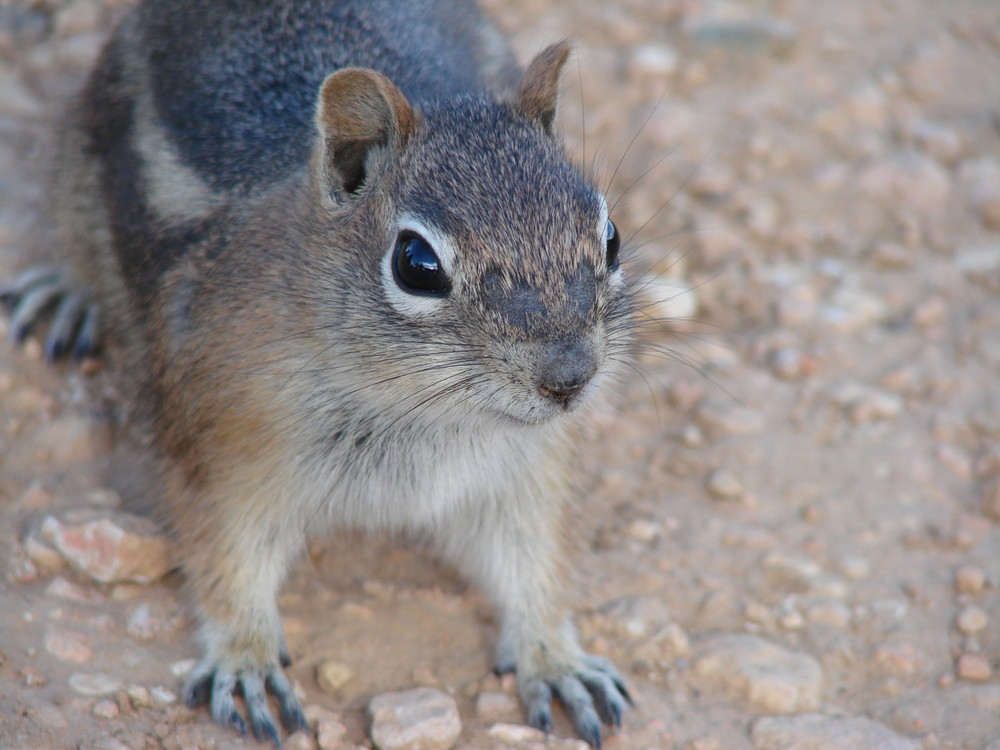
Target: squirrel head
483	259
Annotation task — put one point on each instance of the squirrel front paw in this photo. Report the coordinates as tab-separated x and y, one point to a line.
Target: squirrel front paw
216	682
41	291
592	692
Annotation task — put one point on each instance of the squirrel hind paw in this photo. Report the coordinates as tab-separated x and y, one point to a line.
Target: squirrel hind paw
217	686
44	293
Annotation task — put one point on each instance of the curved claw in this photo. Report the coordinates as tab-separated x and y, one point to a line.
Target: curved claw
255	698
593	694
88	335
30	307
64	325
579	704
538	700
218	686
12	292
292	717
600	664
36	293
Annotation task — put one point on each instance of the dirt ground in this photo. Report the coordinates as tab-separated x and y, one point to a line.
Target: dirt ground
808	453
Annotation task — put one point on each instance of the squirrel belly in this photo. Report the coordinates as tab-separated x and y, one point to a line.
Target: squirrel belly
355	278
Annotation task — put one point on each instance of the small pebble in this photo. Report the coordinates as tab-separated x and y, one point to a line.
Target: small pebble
68	646
139	696
516	734
644	531
33	678
792	621
329	734
724	485
969	579
974	668
183	667
300	741
163	695
971	620
692	436
106	709
418	719
332	676
897	659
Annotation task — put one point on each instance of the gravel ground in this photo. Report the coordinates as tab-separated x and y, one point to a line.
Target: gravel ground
789	525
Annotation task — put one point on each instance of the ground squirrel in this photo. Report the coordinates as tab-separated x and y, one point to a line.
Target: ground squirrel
358	283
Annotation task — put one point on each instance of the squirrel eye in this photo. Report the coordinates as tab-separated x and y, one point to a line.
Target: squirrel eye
416	268
612	243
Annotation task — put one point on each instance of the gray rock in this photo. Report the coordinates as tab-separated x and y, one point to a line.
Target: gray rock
770	678
817	732
419	719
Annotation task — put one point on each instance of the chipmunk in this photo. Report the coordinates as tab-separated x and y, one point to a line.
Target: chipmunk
358	283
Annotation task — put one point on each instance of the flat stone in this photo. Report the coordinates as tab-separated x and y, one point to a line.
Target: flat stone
518	735
95	683
770	678
418	719
974	668
818	732
109	546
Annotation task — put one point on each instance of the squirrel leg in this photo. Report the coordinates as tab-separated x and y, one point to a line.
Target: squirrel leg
235	575
512	550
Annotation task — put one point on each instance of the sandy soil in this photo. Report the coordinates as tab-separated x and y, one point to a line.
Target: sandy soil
812	458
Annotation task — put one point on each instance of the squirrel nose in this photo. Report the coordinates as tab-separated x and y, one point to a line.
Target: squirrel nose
561	393
568	367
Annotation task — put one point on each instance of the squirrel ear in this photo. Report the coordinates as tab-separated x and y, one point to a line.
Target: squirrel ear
358	110
538	95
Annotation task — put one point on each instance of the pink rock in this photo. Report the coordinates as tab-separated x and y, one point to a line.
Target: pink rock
109	546
419	719
68	646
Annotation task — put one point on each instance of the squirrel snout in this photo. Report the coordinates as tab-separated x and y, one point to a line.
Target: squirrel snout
564	373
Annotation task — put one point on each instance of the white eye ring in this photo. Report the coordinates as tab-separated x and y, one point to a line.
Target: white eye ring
407	304
602	232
